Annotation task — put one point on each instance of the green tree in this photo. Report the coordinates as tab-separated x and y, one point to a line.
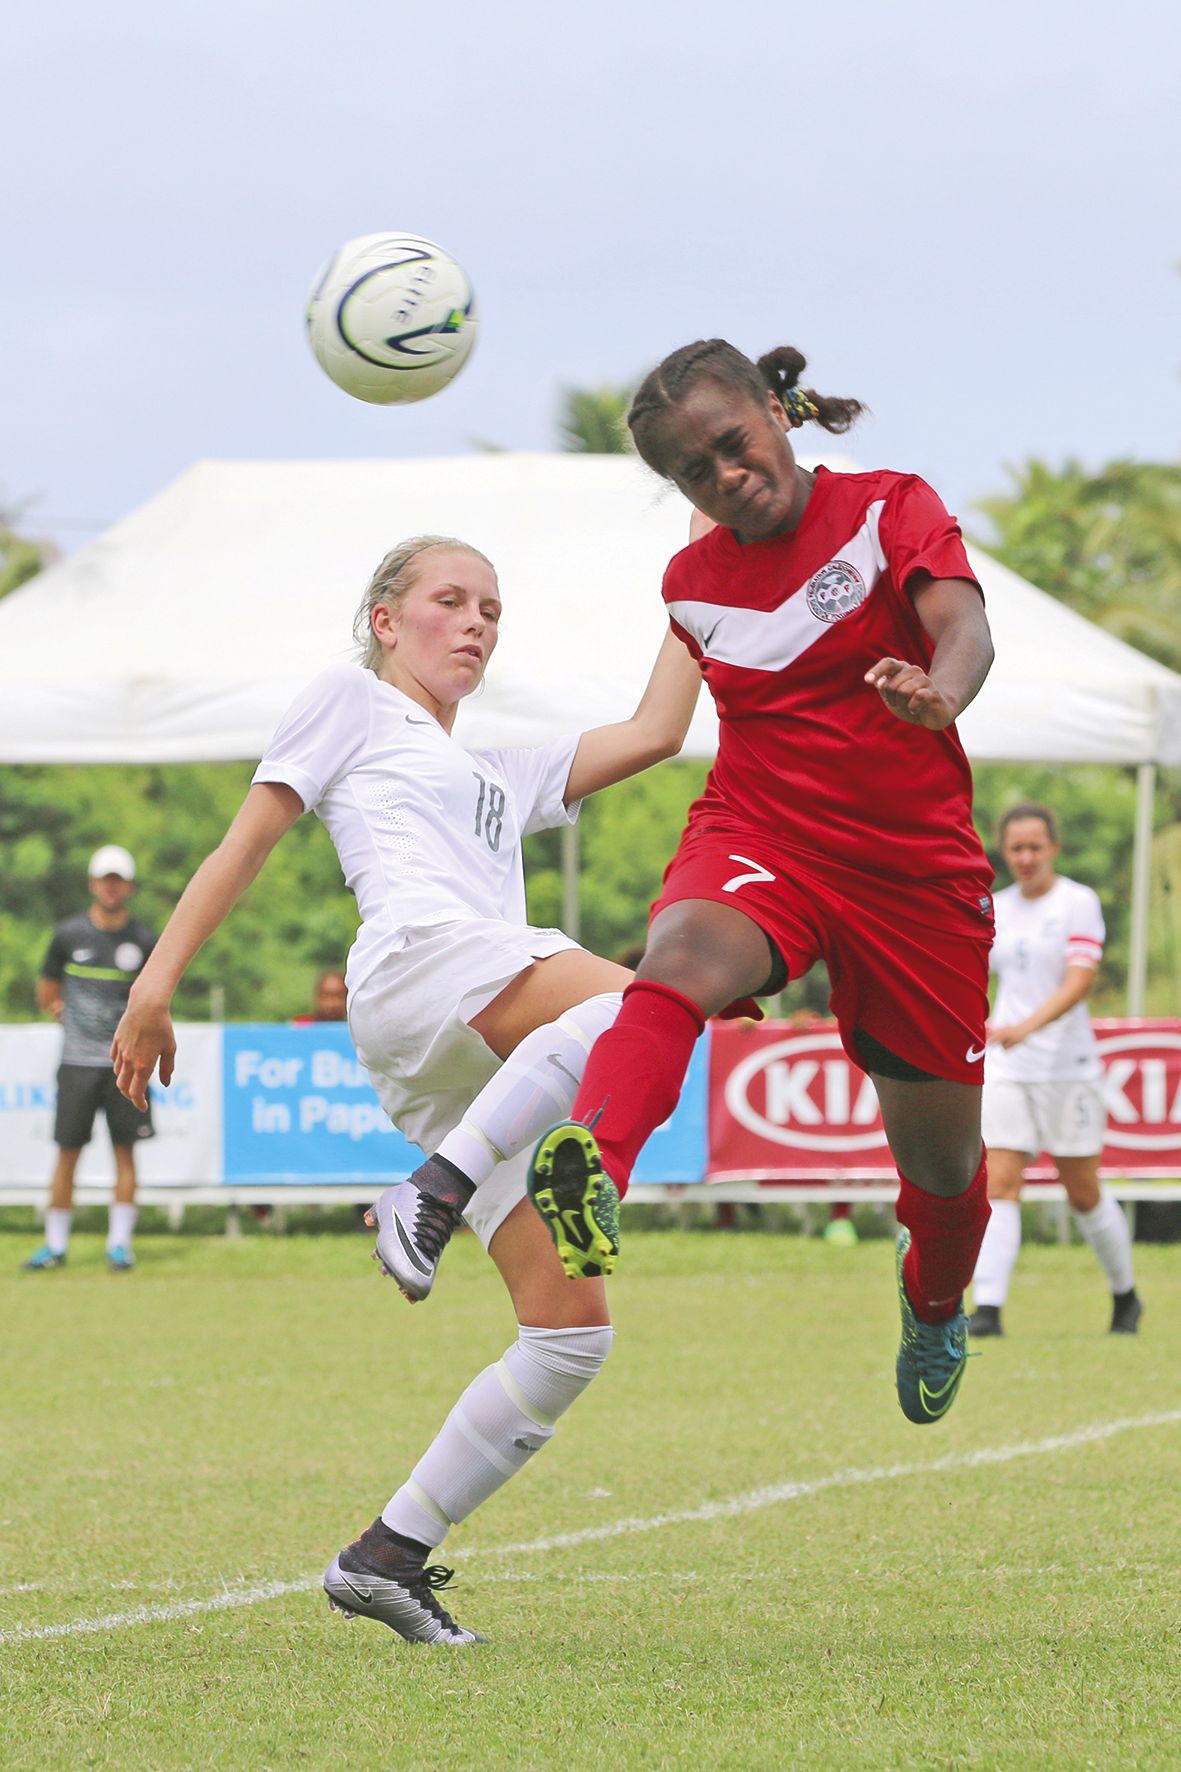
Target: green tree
20	558
593	421
263	959
628	834
1108	544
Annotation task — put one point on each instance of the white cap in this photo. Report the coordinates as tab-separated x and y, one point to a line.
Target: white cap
110	859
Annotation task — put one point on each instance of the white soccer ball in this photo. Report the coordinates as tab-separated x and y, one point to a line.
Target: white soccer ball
392	317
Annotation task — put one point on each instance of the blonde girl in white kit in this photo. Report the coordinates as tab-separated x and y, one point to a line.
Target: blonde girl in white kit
1042	1072
473	1025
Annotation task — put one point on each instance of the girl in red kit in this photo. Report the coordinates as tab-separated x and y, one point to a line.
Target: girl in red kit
841	631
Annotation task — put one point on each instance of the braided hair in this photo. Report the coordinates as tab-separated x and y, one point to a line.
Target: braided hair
776	372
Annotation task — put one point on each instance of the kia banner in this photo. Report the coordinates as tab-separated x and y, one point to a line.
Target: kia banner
786	1104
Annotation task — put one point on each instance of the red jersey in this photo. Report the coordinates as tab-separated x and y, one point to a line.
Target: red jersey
785	629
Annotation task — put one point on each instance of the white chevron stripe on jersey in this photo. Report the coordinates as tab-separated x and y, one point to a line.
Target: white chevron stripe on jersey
772	639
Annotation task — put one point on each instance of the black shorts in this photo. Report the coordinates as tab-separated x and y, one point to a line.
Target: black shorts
82	1089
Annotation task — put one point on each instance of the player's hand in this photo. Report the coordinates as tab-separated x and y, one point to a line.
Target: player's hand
1008	1037
909	693
143	1040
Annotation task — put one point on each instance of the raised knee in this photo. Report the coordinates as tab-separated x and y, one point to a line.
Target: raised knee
943	1174
553	1367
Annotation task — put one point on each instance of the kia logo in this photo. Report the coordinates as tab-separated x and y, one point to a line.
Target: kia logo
1150	1072
804	1082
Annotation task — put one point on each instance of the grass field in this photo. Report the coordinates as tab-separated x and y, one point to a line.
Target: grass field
776	1570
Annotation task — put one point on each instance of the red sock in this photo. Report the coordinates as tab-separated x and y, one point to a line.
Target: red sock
634	1074
945	1239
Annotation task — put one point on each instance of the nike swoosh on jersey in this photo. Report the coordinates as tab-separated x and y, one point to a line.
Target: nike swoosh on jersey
974	1054
772	639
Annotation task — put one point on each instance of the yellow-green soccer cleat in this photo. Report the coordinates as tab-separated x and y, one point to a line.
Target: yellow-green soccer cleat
577	1199
931	1356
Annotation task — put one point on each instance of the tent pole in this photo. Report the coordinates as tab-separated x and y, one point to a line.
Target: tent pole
570	872
1141	882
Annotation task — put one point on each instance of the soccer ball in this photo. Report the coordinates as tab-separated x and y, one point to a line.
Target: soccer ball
392	318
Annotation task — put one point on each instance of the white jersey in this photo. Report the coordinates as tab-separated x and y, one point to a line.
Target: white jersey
426	831
1036	940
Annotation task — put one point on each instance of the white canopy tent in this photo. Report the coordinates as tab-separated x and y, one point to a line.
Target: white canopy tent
181	633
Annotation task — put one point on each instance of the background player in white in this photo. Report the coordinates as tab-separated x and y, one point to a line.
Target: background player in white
445	980
1042	1071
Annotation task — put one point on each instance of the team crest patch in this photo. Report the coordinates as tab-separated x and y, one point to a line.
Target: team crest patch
835	591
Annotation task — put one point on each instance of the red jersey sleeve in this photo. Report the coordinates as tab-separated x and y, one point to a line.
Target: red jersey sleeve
679	571
919	534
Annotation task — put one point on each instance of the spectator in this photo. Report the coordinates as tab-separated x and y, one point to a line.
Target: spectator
92	962
331	999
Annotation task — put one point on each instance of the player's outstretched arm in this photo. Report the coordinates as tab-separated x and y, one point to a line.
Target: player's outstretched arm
144	1037
656	730
952	612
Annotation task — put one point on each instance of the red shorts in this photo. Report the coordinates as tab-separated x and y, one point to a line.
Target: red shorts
907	960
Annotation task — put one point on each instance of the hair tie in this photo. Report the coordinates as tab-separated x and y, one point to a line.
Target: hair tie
799	407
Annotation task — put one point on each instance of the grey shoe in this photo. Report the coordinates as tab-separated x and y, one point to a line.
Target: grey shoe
413	1229
1127	1308
985	1320
405	1601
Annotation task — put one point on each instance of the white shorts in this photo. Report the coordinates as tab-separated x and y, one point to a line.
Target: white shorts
409	1022
1064	1119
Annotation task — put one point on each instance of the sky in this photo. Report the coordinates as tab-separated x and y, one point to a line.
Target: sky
965	215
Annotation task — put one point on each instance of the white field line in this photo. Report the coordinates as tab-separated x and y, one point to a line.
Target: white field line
233	1596
754	1499
751	1502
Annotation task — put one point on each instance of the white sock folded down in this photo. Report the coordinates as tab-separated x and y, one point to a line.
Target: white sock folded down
57	1229
1105	1229
504	1416
120	1225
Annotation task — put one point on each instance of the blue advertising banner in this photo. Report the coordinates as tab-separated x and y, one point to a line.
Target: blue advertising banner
676	1150
298	1107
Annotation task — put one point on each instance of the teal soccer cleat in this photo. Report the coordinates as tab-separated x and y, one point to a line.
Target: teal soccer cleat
42	1260
120	1260
931	1356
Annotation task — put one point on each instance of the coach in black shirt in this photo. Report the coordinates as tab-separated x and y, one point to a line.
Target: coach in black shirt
90	966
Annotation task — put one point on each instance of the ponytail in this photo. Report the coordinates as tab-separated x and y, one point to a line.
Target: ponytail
777	372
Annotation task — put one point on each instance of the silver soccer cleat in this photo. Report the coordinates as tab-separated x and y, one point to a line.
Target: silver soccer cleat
413	1229
405	1602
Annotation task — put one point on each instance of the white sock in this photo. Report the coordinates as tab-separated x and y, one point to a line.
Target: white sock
1106	1230
503	1417
998	1254
120	1225
57	1228
535	1086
